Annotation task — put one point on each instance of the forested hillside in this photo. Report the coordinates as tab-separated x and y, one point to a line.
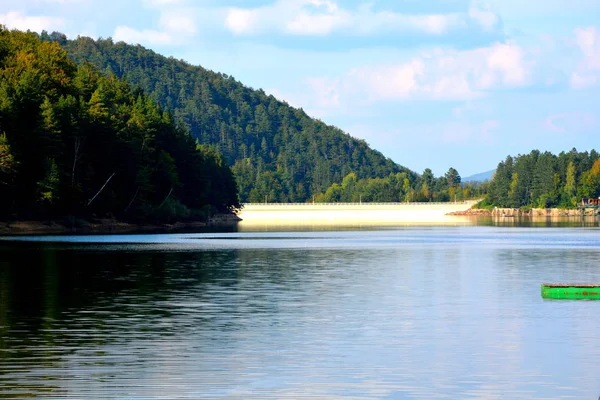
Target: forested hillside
545	180
403	187
74	141
277	152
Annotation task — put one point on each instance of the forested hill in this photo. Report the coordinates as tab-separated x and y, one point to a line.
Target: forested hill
277	152
545	180
76	142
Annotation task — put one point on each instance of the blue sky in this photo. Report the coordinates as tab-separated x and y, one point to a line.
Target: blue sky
435	83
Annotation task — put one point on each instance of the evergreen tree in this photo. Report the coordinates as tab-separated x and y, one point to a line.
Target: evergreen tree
544	180
253	131
76	142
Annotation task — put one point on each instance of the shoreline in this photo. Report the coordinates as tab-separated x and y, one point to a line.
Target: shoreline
534	212
107	226
433	214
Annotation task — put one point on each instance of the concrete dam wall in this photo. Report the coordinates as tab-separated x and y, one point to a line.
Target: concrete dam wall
353	213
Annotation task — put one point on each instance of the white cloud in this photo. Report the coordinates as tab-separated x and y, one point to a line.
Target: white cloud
149	36
62	1
178	22
323	17
160	3
486	19
439	75
386	82
176	27
528	9
588	71
16	20
570	122
582	81
296	17
506	62
436	24
588	40
240	21
319	25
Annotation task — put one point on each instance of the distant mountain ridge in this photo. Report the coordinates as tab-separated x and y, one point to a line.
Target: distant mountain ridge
480	177
277	152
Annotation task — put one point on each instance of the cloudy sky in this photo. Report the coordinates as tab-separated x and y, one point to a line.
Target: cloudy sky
429	83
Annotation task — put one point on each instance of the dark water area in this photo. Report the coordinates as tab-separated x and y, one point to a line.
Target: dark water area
395	313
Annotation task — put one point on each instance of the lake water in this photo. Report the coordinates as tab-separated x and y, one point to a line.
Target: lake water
395	313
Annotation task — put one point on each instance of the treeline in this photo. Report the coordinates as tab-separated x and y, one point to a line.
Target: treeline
276	151
77	141
403	187
544	180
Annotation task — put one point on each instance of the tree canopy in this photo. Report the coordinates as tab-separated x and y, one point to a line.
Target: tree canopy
276	151
77	141
543	180
402	187
112	128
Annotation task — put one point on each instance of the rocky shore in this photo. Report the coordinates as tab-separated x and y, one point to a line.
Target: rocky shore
472	213
517	212
108	226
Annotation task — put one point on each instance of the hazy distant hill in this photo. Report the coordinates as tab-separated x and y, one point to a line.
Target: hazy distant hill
480	177
277	152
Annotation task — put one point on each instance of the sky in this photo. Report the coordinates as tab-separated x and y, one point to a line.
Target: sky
429	83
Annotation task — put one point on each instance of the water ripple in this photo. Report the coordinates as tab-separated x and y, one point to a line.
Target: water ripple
410	314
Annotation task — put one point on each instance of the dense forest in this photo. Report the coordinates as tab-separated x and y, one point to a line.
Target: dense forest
97	128
403	187
277	152
534	180
544	180
77	141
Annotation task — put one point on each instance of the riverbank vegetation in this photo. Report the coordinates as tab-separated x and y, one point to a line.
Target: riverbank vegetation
544	180
75	141
538	180
403	187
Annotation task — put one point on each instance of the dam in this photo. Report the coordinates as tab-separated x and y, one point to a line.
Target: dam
354	214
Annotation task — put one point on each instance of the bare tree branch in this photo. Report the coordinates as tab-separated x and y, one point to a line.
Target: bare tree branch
103	186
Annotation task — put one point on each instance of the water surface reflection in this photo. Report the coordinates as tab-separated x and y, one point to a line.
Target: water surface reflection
406	313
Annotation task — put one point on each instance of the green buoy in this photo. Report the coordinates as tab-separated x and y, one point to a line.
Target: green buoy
571	291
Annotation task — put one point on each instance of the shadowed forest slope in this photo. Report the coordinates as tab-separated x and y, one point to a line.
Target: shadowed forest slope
76	142
277	152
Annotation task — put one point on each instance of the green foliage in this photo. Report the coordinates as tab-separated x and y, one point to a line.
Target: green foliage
402	187
48	190
276	151
78	142
484	204
8	164
453	178
544	180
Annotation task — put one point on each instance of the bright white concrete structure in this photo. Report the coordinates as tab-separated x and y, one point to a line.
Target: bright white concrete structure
354	214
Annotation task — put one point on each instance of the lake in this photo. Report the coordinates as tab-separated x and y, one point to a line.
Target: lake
374	313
